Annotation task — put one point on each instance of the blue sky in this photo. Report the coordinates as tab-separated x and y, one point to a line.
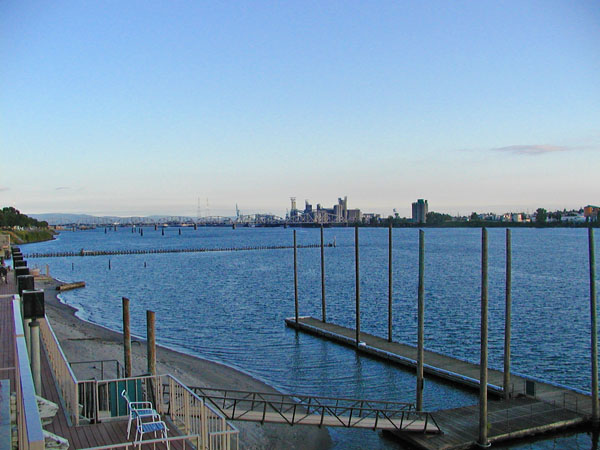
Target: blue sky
134	108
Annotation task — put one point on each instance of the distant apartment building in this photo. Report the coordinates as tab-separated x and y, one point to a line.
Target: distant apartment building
419	211
590	212
354	216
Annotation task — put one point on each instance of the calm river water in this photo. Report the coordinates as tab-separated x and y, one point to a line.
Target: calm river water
230	306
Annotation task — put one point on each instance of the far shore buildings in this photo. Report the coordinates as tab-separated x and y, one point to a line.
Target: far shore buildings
338	213
419	211
590	212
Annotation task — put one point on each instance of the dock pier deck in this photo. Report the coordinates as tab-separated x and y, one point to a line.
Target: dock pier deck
535	407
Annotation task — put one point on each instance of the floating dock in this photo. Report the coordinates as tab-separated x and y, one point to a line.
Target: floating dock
535	407
70	286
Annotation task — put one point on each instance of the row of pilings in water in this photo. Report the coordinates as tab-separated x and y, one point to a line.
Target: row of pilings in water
169	250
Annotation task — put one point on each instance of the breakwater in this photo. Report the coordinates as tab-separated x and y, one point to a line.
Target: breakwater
169	250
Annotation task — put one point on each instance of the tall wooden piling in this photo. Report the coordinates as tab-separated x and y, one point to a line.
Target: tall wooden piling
594	326
151	342
507	316
421	322
483	373
357	270
295	277
390	290
323	304
126	338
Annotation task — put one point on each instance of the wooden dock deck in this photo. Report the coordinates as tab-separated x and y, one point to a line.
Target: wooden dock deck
513	419
79	437
7	331
548	407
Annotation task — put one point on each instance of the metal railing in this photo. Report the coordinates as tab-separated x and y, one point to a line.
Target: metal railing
101	400
190	413
184	442
63	375
329	411
95	400
29	425
90	369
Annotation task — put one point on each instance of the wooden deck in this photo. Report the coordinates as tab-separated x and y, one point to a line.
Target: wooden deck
84	436
550	408
7	331
517	418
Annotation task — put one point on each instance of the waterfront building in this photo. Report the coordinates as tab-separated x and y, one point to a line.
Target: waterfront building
339	213
420	209
590	212
354	216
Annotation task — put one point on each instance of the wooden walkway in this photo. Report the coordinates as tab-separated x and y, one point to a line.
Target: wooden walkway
7	331
550	408
412	426
293	409
83	436
517	418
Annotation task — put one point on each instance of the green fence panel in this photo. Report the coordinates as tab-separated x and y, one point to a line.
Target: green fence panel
118	405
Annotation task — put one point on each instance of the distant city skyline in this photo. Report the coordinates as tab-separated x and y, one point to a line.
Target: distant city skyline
410	212
137	108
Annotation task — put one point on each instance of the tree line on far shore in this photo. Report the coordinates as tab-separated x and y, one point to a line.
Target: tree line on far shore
541	218
11	217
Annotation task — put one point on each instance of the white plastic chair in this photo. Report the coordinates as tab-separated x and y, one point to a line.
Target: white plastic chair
138	410
151	426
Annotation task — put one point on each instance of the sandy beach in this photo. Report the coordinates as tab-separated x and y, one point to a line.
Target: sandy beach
84	341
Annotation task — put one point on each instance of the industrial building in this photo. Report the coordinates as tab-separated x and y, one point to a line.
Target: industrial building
419	211
338	213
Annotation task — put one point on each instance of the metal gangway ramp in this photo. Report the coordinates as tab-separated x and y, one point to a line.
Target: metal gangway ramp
320	411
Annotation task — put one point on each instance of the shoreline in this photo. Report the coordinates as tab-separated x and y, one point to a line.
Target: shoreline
82	340
140	339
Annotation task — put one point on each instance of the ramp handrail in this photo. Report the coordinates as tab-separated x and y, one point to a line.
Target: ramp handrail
86	398
186	410
296	409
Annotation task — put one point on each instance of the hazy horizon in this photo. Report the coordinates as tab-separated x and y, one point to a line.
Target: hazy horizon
226	213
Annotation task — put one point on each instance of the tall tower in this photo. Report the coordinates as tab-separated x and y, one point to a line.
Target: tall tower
420	208
293	199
